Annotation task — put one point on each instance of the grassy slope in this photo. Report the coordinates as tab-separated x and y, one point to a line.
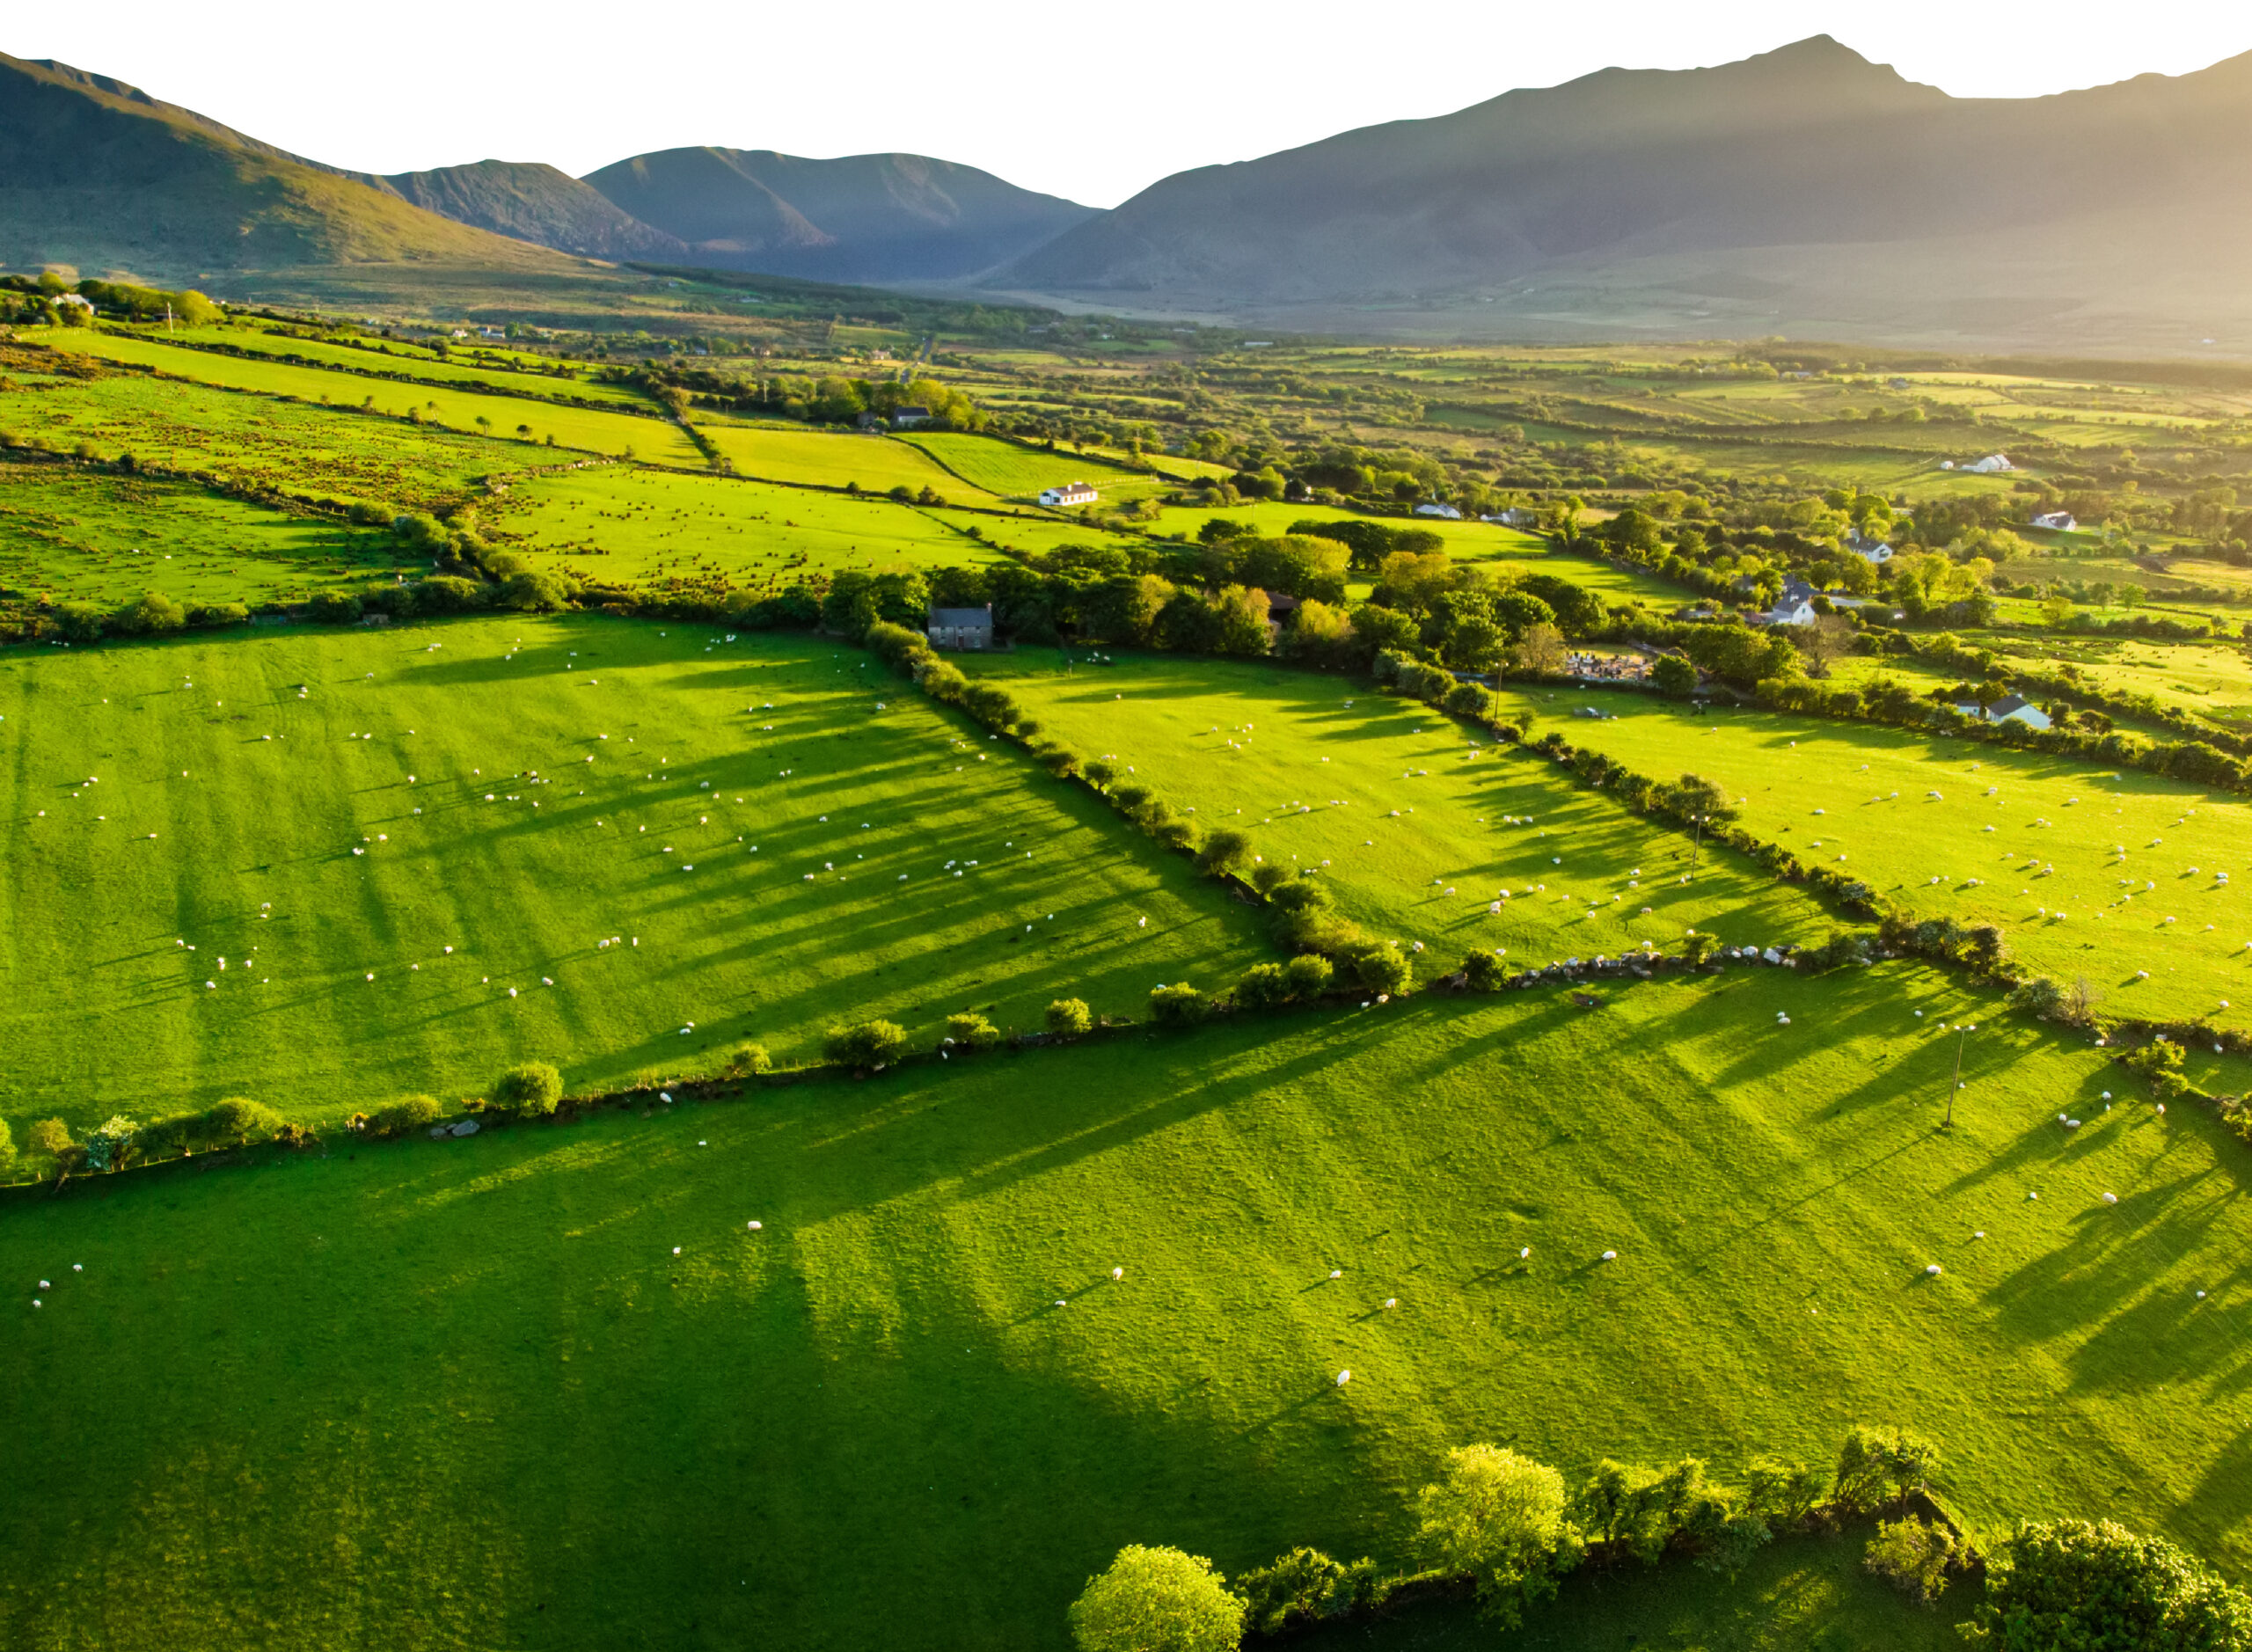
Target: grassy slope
68	534
261	442
653	527
1429	873
835	459
1900	843
101	1011
1019	472
588	429
395	358
469	1395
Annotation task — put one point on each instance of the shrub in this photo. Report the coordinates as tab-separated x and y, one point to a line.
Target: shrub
1308	975
49	1139
1914	1555
1674	677
1263	986
1879	1465
1781	1492
1059	759
1698	947
750	1058
1498	1518
971	1030
1157	1600
1069	1017
2161	1063
2071	1584
869	1044
216	615
334	608
1225	854
1482	972
147	615
1267	879
1303	1587
238	1118
1841	951
897	645
7	1148
530	1091
107	1148
1380	968
1179	1005
402	1117
2042	996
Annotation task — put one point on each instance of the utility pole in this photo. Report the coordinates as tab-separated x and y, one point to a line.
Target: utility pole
1955	1083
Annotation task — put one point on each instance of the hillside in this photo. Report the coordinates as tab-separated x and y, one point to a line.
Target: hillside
100	176
533	201
1807	183
860	218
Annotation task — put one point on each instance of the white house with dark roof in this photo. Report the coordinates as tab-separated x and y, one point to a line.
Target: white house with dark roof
2057	521
2011	708
1070	494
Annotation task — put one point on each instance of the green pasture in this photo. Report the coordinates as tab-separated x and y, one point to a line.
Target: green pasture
260	441
1011	471
68	534
1404	814
856	854
2207	680
545	1386
825	458
505	417
394	359
2045	873
625	525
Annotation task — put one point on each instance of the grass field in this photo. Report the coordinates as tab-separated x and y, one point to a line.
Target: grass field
471	1394
1012	471
392	816
1405	819
654	530
395	359
73	534
259	441
585	430
821	458
1938	856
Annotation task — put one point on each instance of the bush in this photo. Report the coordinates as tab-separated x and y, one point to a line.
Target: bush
334	608
217	616
1482	972
750	1058
1674	677
1179	1005
2060	1587
1308	975
1379	968
7	1148
2161	1063
1305	1586
1225	854
1698	947
1498	1518
402	1117
867	1045
971	1031
148	615
1157	1600
1264	987
1876	1465
48	1139
1912	1555
530	1091
1069	1017
238	1119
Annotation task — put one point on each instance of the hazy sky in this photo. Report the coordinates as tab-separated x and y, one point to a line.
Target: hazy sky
1089	102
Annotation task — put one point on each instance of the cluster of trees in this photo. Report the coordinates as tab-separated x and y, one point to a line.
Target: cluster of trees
35	301
121	1142
829	398
1511	1527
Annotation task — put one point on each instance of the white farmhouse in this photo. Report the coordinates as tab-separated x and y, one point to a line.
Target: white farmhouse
1447	512
1070	494
2060	521
1993	465
2011	708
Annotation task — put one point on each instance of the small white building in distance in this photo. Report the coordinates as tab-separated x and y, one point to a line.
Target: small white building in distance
1876	553
1070	494
1993	465
2061	521
1446	511
908	417
2011	708
1514	516
961	627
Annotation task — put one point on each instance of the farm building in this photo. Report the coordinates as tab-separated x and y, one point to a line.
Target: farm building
961	627
908	418
1876	552
1446	511
1514	516
1070	494
1793	607
2011	708
1993	465
2060	521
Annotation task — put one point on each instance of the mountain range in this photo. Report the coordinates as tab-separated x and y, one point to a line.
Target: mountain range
1804	190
